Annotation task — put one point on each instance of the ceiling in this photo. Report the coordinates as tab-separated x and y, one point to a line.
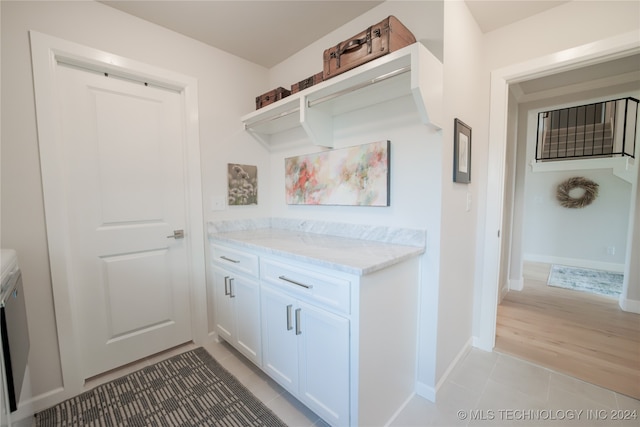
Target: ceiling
261	31
493	14
266	32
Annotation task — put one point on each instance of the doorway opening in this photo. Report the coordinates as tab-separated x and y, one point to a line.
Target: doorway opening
552	326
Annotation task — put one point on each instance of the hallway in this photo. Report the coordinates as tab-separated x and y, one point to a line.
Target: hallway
579	334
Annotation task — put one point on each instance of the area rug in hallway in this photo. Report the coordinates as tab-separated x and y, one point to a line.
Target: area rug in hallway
190	389
601	282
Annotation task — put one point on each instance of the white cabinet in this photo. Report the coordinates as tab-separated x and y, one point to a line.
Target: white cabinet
306	350
323	354
280	341
344	344
237	301
412	70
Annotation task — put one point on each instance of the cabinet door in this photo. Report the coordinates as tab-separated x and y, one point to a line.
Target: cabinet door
245	295
323	344
279	344
223	305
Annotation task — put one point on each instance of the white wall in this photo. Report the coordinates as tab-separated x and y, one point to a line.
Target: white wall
511	278
579	237
422	18
423	195
416	159
464	88
569	25
630	300
227	86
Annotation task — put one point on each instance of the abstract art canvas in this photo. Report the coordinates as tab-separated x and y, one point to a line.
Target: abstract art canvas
242	185
354	176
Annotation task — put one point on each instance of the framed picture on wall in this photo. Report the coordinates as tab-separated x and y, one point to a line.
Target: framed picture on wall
242	184
461	152
351	176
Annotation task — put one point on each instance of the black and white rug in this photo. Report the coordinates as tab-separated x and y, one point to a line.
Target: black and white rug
190	389
601	282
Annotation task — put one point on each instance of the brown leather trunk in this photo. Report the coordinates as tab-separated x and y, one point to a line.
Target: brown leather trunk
272	96
308	82
386	36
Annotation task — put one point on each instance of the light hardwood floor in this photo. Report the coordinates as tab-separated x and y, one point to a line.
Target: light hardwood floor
586	336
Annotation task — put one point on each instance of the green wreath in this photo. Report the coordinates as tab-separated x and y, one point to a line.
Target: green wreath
566	200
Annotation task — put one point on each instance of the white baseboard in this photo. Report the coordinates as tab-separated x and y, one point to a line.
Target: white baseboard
575	262
400	409
430	393
29	407
516	284
630	305
483	344
426	391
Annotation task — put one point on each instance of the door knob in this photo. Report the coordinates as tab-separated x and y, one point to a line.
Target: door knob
177	234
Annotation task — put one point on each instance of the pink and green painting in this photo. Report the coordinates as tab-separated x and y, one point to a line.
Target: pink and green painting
353	176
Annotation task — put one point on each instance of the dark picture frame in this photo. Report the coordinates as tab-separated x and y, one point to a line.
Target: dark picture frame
242	184
461	152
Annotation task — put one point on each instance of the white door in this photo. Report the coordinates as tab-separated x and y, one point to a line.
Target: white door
323	343
125	187
279	341
246	295
223	304
237	312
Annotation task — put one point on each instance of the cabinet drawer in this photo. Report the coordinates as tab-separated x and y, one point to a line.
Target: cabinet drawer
313	286
239	260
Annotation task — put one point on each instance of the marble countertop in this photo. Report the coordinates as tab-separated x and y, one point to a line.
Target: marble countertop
355	255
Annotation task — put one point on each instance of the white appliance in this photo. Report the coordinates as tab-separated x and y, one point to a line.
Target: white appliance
13	328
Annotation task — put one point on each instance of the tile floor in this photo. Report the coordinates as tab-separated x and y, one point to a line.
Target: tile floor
485	389
489	388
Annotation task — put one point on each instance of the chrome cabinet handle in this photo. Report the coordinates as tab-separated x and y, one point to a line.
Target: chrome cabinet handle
235	261
226	286
289	326
294	282
177	234
298	326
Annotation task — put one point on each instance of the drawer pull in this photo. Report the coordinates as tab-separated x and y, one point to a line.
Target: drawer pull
235	261
289	326
298	327
294	282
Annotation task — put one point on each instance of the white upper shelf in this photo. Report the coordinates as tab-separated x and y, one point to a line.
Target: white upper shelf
411	70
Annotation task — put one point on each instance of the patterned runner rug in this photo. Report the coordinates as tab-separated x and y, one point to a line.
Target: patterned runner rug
586	280
190	389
